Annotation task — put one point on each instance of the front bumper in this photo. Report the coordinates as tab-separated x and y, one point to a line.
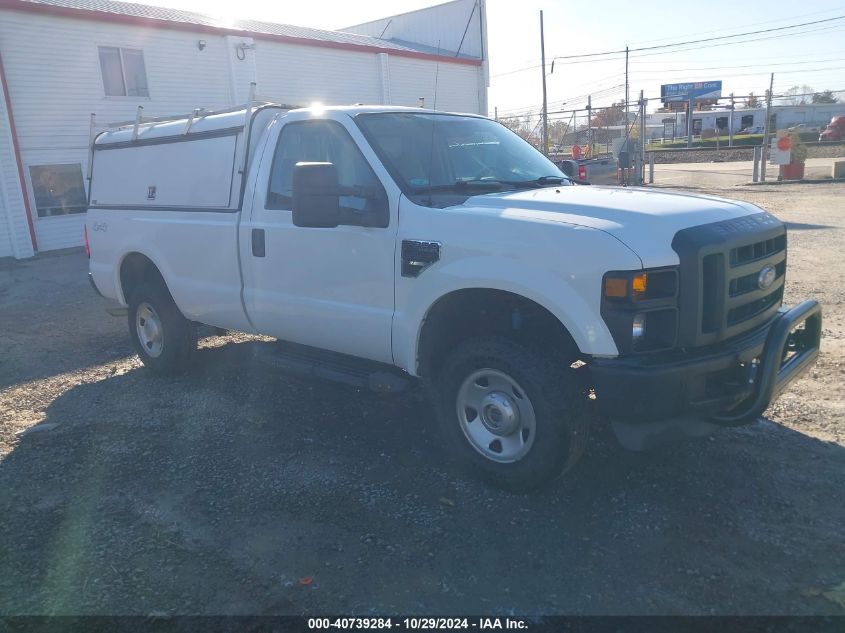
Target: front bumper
729	384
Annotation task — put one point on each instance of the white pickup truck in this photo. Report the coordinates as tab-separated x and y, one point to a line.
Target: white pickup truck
390	246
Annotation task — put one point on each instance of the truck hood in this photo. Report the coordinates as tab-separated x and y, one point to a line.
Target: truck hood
644	219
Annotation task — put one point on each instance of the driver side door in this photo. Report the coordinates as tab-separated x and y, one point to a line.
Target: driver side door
330	288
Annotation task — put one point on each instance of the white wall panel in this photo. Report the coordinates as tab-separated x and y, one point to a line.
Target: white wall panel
457	84
302	75
53	71
15	240
441	26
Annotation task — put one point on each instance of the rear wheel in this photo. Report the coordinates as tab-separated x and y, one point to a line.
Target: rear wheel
163	338
511	412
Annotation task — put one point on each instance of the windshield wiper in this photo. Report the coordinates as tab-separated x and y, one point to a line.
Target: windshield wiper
494	185
542	181
458	185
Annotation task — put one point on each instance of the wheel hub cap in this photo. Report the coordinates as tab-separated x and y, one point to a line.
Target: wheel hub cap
499	413
496	415
149	329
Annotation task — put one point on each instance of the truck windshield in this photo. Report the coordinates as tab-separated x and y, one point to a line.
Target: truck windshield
430	154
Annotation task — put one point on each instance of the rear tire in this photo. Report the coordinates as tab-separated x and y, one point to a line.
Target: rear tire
510	412
163	338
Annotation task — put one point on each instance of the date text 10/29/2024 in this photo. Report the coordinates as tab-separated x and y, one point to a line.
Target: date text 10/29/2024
418	623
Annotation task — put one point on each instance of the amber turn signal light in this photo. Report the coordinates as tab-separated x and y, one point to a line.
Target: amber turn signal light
639	283
615	287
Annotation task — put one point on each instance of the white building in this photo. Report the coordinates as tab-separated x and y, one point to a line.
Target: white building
61	60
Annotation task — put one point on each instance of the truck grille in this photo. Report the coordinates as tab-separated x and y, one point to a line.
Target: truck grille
752	309
757	250
732	277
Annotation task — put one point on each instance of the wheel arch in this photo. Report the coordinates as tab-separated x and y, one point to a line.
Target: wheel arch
134	269
474	311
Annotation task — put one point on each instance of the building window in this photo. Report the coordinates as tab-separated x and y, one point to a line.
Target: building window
124	74
58	189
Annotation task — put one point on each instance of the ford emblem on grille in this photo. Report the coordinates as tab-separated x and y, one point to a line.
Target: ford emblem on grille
766	277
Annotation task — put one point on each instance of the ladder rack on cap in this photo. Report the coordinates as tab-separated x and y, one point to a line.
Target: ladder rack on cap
195	115
254	101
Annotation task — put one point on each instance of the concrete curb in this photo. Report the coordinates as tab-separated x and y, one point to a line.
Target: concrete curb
808	181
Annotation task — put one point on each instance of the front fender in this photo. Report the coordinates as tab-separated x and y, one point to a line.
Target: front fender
572	298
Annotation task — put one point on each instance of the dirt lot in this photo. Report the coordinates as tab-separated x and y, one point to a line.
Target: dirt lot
234	490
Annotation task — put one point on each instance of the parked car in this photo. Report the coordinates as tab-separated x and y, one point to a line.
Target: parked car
756	129
835	130
387	247
803	128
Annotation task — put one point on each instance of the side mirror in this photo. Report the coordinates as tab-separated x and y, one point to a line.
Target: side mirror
316	202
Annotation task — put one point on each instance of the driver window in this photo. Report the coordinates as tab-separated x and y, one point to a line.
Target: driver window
326	141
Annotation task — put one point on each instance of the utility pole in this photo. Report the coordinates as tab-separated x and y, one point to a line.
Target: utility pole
689	120
545	102
731	123
641	171
766	129
496	112
626	84
590	124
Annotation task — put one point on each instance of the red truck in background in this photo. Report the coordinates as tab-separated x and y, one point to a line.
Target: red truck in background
835	131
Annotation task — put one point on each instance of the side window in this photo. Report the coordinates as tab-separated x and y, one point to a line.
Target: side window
58	189
327	141
124	73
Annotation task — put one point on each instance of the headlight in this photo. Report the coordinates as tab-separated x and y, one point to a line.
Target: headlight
638	329
640	308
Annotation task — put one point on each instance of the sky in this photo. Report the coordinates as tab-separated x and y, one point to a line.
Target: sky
812	55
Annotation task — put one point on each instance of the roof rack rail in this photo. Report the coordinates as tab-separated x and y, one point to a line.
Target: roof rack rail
192	117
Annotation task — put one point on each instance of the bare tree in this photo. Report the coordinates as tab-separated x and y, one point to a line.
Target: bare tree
519	125
613	115
752	101
799	95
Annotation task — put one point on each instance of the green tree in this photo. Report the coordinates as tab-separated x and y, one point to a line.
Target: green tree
825	96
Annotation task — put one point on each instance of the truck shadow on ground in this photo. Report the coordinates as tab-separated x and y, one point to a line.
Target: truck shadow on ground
234	489
801	226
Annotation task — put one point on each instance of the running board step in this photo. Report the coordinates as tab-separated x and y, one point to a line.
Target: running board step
317	363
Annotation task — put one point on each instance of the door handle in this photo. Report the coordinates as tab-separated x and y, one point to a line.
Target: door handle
258	249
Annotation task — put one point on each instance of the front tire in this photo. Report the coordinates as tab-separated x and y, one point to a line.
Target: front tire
511	412
163	338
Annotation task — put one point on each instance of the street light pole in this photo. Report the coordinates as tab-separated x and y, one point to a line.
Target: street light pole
545	102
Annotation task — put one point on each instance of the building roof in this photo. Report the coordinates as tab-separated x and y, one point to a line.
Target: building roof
165	17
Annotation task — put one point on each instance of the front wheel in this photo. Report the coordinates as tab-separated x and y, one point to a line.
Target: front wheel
164	339
511	412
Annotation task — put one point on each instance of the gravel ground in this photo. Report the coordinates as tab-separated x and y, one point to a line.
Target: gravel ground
234	490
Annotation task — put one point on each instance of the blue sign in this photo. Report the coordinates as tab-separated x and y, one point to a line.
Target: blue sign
698	90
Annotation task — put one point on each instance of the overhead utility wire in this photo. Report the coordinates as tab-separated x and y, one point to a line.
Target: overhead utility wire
757	23
687	69
701	41
580	59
